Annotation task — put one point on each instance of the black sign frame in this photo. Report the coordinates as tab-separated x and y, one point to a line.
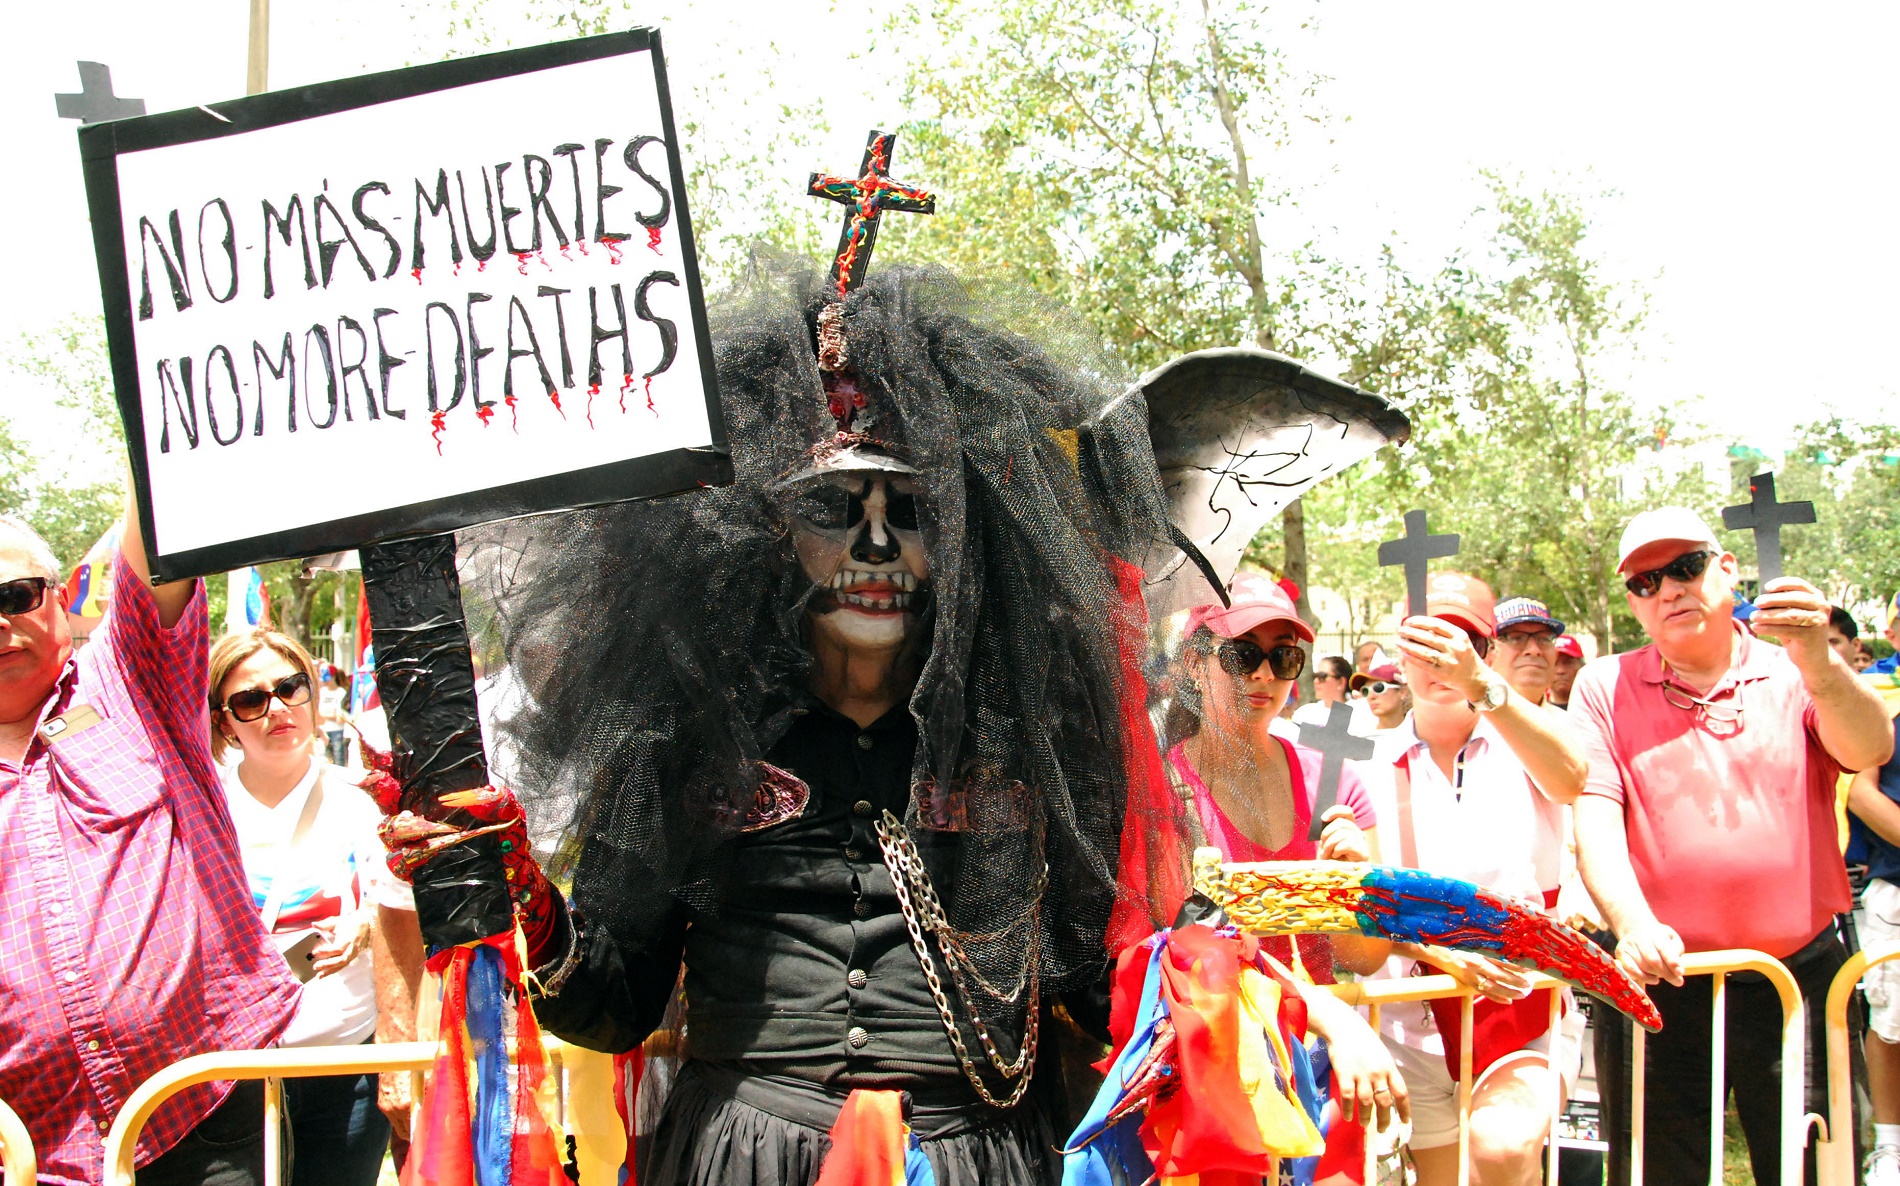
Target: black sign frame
650	476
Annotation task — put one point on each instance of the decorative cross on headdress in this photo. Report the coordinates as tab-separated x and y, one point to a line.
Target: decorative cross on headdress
1417	549
869	194
1767	517
1337	742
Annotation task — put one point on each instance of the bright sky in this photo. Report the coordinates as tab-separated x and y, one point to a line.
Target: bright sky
1752	147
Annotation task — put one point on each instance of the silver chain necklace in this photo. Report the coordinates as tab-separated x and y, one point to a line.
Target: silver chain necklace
909	876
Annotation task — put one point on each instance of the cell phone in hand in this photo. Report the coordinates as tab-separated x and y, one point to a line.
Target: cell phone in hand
301	955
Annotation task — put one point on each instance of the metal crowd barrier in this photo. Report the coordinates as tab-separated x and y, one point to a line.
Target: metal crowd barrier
587	1080
1835	1152
16	1150
1794	1120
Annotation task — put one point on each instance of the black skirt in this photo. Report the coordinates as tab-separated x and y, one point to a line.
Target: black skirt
725	1128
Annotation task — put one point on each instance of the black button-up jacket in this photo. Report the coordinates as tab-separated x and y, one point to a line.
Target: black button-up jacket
807	969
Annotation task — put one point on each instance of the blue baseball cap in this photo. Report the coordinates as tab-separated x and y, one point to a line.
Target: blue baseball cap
1519	611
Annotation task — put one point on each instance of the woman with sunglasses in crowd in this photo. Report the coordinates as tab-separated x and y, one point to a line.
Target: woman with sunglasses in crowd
315	865
1250	793
1472	785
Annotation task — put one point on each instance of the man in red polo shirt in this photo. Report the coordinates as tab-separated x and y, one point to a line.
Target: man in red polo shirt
1707	822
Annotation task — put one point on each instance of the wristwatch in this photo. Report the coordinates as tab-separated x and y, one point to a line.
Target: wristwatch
1496	692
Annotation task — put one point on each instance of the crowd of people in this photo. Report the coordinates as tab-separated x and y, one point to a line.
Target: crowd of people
1678	797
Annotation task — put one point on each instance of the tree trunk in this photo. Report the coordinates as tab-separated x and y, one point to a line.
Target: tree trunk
1293	567
294	618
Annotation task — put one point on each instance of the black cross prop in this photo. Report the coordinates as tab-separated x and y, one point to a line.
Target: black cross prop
95	102
1337	743
1766	518
869	194
1416	550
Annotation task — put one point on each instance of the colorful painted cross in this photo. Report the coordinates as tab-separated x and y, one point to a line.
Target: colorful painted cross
1335	740
869	194
1766	517
1416	550
95	101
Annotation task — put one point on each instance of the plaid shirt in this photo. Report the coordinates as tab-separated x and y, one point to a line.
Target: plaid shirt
129	933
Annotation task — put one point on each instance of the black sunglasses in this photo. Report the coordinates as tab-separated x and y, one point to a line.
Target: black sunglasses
252	703
835	508
22	596
1682	569
1240	658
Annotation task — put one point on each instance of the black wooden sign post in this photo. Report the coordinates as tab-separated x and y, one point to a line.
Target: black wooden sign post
1766	517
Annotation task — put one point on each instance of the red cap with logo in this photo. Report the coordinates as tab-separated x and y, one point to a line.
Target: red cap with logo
1570	646
1463	599
1256	600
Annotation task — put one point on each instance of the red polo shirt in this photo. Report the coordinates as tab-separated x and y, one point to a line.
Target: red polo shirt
1731	826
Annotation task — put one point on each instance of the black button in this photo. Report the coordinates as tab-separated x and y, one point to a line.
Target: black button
856	978
861	908
864	741
858	1037
863	808
852	854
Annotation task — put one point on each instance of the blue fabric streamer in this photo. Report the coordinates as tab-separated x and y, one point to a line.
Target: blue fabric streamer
1098	1154
491	1138
1312	1083
917	1171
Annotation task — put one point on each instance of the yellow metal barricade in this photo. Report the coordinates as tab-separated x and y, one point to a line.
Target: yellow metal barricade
16	1150
1836	1149
1795	1122
586	1079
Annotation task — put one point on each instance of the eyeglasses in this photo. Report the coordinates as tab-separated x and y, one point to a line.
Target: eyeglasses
22	596
1724	717
1240	658
252	703
1528	638
1682	569
1378	686
1479	643
1320	675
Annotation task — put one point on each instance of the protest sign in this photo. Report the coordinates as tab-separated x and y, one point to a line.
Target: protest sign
404	303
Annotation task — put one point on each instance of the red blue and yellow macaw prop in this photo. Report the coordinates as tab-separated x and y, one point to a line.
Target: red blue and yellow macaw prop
1414	906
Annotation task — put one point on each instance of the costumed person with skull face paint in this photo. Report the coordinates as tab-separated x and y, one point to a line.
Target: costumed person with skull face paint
847	739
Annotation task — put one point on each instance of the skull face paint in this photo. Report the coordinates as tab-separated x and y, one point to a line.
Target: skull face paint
858	540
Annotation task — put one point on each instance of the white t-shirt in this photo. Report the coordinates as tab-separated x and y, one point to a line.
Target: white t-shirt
336	871
1493	827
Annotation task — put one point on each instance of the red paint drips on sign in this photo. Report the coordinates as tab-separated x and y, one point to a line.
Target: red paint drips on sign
437	422
653	239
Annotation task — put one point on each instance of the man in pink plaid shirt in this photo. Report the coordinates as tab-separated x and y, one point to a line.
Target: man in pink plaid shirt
129	934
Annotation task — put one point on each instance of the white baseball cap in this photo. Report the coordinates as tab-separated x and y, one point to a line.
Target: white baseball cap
1673	524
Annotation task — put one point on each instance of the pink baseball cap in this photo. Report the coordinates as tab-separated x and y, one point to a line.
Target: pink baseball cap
1256	600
